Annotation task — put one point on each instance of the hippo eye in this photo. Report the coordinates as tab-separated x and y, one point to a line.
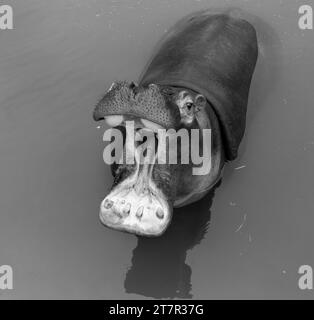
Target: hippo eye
189	105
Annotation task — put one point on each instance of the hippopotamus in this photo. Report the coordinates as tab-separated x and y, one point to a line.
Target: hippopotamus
198	78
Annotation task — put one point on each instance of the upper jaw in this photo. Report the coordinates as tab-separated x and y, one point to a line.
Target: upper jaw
144	102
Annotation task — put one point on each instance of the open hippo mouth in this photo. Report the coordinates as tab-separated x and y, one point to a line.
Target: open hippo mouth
139	201
141	198
198	79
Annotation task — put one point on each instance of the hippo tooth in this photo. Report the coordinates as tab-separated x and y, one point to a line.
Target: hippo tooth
127	208
151	125
108	204
139	212
114	121
159	213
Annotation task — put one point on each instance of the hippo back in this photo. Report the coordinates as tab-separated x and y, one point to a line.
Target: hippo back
214	54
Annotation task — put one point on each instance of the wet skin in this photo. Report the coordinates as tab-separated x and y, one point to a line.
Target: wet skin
198	79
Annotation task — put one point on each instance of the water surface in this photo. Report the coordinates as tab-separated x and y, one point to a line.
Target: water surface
246	239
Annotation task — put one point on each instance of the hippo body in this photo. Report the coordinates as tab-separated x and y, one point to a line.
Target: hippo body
199	78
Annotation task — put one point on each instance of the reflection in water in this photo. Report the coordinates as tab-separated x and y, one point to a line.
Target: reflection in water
158	265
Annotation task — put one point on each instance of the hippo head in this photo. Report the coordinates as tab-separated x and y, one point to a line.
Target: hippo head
144	192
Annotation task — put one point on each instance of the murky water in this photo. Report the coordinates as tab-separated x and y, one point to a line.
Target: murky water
246	239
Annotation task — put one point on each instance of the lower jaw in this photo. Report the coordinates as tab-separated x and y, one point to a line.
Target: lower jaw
135	204
143	213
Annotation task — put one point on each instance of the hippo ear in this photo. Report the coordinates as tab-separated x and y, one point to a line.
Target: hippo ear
200	102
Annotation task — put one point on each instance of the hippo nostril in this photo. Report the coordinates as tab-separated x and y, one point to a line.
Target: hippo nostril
132	85
159	213
127	209
108	204
139	212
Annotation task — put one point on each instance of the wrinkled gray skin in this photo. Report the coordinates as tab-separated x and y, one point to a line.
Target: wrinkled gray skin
142	198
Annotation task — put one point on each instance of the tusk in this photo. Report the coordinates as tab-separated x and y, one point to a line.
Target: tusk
113	121
151	125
